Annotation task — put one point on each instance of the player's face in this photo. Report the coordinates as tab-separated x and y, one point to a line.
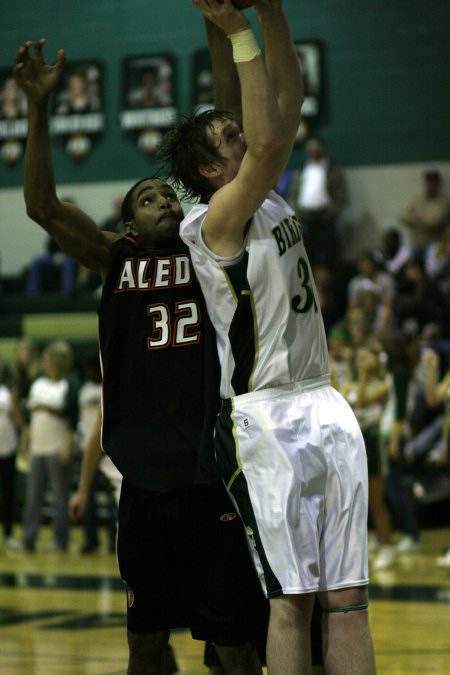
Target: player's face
230	143
157	212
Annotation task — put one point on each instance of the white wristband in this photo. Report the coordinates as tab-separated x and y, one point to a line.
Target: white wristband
245	46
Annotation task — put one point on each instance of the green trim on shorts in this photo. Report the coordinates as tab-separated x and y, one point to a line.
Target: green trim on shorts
348	608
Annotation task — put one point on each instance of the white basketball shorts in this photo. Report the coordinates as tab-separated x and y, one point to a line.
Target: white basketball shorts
294	462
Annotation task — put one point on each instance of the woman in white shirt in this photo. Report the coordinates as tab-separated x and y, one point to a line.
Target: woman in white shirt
52	403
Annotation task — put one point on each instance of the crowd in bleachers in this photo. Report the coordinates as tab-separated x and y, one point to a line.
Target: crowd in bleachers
48	400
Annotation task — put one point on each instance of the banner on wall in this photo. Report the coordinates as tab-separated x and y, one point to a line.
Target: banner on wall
13	118
149	107
77	114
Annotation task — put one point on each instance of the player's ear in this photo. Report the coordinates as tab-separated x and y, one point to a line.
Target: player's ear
209	170
130	227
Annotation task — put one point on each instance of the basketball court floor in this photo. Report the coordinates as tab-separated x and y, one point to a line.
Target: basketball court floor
64	613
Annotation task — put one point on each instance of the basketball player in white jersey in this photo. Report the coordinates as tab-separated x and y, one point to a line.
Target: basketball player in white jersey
289	447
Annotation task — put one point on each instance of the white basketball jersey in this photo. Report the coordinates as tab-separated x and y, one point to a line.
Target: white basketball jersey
263	304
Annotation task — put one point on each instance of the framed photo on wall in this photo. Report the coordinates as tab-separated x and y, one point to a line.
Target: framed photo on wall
148	98
202	82
13	118
77	113
310	53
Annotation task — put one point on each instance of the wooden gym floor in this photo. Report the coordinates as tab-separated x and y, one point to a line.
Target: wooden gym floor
63	613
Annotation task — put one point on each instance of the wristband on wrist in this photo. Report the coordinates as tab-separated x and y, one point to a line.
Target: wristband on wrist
245	46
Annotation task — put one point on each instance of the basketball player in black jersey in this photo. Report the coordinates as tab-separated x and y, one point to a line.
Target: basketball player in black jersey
181	548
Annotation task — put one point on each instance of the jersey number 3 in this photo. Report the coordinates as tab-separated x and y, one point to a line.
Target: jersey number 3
305	300
173	331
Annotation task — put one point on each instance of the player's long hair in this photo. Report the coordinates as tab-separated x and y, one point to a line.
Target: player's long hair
186	148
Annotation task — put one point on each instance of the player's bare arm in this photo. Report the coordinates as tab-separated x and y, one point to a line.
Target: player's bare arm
91	457
75	232
226	85
244	182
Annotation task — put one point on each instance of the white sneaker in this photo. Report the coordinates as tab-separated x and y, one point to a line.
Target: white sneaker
407	544
444	560
385	558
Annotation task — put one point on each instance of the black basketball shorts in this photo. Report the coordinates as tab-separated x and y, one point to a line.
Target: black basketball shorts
185	562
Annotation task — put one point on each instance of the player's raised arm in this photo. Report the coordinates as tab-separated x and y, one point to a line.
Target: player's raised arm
76	233
226	85
251	166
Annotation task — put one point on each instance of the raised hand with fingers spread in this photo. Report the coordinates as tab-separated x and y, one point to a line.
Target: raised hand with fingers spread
36	77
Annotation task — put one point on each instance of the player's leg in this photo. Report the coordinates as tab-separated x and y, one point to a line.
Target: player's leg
145	567
240	659
289	637
229	607
147	653
347	642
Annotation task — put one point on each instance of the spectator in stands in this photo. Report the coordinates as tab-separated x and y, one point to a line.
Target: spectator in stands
437	270
372	290
8	451
319	194
331	294
438	391
394	252
367	390
53	406
427	215
24	370
113	223
395	427
416	301
341	353
43	267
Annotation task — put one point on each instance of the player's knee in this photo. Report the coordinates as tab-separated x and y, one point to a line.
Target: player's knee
293	607
240	659
345	600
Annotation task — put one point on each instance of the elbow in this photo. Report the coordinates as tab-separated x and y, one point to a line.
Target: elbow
42	214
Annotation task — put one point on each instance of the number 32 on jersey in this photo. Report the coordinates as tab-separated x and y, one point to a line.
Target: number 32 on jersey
173	329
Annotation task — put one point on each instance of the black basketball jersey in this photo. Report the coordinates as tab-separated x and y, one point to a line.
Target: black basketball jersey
160	369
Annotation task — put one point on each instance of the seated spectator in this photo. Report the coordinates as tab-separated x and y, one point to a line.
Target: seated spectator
367	391
416	301
427	215
372	290
437	270
394	252
113	222
43	266
331	294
